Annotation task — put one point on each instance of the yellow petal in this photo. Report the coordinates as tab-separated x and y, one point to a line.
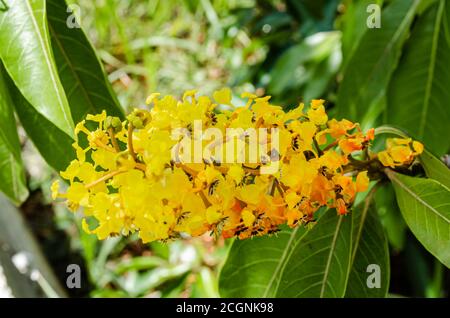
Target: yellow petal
55	189
248	217
85	226
223	96
362	181
418	147
236	173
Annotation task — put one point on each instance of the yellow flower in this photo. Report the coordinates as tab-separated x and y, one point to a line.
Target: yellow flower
129	181
77	195
418	147
98	118
85	226
248	95
248	217
223	96
292	199
399	152
362	181
236	173
71	171
316	113
213	214
55	189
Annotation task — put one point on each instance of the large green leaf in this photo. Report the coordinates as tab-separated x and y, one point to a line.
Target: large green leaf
297	263
354	25
26	53
391	217
425	206
87	88
435	168
370	248
53	144
418	96
12	174
368	71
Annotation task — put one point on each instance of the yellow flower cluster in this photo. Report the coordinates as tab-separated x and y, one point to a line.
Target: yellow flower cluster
126	179
399	151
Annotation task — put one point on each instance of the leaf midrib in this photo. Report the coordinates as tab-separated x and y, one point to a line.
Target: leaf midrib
415	196
330	256
47	58
431	69
71	67
397	33
283	260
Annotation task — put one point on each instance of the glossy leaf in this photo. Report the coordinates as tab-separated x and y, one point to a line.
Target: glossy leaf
53	144
391	217
425	206
27	56
418	96
354	25
370	248
296	263
87	88
435	168
12	174
373	61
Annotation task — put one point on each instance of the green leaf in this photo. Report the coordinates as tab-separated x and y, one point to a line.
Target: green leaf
435	168
17	238
288	71
391	217
373	61
53	144
369	247
354	25
425	206
12	174
28	59
82	76
418	96
296	263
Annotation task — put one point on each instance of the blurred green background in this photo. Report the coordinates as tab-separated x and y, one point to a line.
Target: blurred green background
293	50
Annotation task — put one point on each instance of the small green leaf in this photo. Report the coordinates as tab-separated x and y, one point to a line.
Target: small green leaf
417	96
12	174
82	76
373	61
296	263
27	56
425	206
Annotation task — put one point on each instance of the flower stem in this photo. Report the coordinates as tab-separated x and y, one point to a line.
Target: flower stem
104	178
113	139
130	141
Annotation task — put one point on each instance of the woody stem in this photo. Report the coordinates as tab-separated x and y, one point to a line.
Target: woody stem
333	144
